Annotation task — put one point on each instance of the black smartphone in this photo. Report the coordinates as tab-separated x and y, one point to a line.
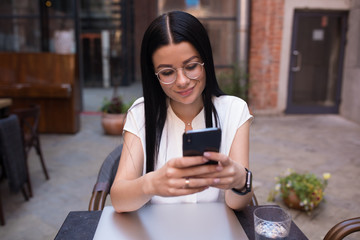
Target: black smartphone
196	142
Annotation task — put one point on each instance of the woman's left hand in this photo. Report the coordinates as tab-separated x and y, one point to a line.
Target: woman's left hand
232	174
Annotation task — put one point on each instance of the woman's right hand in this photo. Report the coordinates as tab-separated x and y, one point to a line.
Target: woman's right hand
178	177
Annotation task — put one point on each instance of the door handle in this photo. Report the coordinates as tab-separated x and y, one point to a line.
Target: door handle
297	68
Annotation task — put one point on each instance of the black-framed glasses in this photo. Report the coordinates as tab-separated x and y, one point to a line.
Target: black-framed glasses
191	70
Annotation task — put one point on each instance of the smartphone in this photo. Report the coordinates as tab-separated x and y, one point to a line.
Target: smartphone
196	142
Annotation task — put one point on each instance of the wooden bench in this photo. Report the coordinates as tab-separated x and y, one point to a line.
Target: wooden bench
47	79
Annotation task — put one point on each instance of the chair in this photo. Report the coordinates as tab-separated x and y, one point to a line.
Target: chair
2	219
254	201
29	122
106	177
13	157
342	229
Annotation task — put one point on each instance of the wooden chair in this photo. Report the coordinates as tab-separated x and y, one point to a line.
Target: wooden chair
342	229
13	157
29	122
106	177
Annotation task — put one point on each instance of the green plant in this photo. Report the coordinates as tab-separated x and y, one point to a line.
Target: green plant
308	188
233	82
115	105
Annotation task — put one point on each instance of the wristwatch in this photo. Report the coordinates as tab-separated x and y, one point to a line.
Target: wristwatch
247	188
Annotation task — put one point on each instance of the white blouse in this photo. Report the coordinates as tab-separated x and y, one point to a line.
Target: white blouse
232	112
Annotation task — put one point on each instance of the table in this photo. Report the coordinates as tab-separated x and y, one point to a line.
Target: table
82	225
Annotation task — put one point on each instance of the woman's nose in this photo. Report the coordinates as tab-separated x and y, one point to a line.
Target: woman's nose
181	78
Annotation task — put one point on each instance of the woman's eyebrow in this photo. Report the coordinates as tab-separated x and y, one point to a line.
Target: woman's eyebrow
188	60
171	66
164	66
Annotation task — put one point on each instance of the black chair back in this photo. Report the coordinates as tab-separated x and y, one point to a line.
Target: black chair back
12	150
105	179
12	158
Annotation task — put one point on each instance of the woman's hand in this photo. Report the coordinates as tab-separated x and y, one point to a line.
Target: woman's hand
230	174
179	176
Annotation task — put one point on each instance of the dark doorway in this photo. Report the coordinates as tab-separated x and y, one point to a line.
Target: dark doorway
107	35
92	59
316	63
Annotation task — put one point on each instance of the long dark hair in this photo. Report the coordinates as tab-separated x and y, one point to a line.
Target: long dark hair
181	26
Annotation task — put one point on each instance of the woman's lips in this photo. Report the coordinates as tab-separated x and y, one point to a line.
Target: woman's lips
186	92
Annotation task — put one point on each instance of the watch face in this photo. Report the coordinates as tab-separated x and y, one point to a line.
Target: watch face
248	180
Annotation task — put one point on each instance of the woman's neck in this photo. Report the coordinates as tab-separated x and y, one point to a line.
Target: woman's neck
187	112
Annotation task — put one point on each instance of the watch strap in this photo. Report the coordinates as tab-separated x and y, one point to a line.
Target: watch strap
248	182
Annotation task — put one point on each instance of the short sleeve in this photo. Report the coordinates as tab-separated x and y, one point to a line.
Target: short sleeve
233	112
135	120
240	112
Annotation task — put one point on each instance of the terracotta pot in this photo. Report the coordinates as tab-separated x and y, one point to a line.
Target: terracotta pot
112	123
293	201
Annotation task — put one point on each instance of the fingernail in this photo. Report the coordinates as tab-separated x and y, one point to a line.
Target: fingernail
219	168
216	180
206	154
205	160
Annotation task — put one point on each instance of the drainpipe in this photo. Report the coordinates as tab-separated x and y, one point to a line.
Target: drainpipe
242	25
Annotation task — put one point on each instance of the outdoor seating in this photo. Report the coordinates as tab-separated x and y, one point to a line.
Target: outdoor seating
106	177
343	229
13	157
29	122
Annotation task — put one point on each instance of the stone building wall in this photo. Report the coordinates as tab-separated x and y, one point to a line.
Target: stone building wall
350	103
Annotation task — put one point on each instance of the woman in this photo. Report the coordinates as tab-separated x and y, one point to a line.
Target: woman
180	93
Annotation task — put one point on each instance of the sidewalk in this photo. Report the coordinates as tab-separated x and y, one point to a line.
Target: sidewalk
316	143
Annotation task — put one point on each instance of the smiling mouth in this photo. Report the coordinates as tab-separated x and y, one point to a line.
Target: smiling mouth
186	92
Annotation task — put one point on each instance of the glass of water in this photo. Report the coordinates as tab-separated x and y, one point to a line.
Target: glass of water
271	222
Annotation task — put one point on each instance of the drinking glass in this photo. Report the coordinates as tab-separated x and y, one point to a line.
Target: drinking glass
271	222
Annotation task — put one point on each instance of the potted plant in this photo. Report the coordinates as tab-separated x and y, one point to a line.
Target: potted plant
114	115
303	191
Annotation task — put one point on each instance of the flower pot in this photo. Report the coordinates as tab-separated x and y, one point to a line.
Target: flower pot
292	201
112	123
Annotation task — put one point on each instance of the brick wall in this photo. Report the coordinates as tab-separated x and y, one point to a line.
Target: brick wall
264	57
144	13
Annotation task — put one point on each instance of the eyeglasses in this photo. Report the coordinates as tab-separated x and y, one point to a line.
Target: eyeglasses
192	70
